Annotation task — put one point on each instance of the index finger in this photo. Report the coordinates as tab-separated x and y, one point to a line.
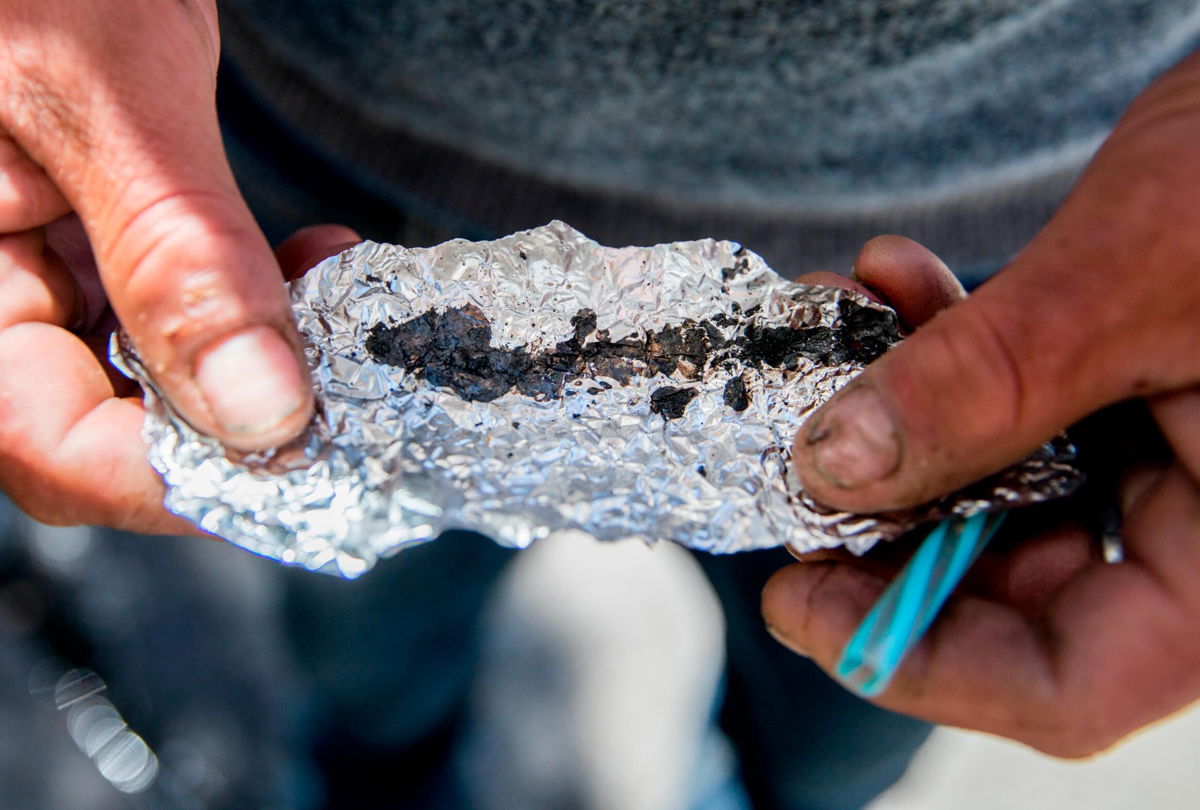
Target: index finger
1112	650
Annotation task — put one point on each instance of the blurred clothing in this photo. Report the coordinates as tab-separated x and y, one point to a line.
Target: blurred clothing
798	128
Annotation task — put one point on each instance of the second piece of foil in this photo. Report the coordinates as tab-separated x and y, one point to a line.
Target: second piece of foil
653	447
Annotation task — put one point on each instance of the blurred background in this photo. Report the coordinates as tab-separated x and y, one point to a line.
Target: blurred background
153	673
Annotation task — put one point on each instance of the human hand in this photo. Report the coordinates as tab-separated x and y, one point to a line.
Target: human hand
1049	645
107	110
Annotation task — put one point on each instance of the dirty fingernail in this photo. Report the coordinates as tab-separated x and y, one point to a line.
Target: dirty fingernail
251	381
855	443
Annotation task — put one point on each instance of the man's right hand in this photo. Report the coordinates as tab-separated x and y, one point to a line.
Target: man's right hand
107	110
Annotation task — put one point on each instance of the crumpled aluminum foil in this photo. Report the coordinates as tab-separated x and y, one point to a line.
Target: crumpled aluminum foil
604	398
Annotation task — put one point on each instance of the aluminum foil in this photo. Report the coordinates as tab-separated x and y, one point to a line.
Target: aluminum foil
542	382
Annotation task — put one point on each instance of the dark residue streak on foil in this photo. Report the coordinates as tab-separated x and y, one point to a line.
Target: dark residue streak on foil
670	402
735	394
452	349
863	334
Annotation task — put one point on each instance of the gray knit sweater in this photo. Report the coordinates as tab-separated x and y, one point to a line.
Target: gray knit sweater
820	122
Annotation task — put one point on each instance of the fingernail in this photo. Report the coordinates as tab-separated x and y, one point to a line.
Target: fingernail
778	635
251	381
855	442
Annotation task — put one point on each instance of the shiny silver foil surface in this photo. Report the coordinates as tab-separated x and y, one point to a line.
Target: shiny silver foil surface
655	393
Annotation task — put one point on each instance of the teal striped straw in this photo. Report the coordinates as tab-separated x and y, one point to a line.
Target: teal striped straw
904	611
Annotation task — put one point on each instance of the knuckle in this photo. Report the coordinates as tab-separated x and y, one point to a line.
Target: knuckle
172	258
38	499
31	289
997	357
978	353
13	430
57	499
1075	744
52	516
37	109
135	515
1070	729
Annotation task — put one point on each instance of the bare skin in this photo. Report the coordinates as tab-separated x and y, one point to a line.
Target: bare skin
116	197
1048	645
119	129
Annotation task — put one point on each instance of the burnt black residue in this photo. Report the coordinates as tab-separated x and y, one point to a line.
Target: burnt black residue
863	334
670	402
783	347
735	394
452	349
866	332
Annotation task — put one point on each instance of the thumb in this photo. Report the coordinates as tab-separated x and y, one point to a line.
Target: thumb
987	380
1099	307
120	112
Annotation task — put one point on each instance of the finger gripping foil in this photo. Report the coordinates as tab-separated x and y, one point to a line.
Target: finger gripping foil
543	382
